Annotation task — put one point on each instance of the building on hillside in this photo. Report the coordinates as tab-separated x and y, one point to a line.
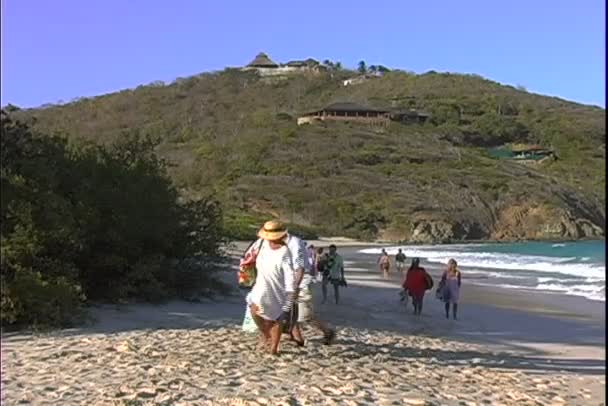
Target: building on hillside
262	61
346	112
354	112
409	116
267	67
531	152
524	153
308	63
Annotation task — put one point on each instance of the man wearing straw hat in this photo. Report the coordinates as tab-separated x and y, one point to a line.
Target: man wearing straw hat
304	311
273	296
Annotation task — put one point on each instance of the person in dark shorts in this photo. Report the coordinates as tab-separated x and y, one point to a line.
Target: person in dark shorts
400	261
334	273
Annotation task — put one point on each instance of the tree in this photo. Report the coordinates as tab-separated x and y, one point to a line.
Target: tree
338	65
373	69
328	63
95	222
362	67
10	108
383	69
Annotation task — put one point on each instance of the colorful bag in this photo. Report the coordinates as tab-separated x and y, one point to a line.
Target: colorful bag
247	269
249	325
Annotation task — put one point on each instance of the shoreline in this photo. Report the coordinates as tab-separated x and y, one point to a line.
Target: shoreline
238	247
352	242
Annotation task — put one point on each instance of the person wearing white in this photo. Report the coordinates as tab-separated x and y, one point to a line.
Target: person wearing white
275	280
273	295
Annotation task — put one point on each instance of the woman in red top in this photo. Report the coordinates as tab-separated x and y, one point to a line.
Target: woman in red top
416	284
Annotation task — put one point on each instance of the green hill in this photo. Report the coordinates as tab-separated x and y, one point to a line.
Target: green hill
233	135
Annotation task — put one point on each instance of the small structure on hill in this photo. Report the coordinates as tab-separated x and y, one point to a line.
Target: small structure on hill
262	61
306	64
354	112
524	153
267	67
409	116
533	152
346	112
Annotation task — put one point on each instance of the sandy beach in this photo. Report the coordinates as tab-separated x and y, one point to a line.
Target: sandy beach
509	348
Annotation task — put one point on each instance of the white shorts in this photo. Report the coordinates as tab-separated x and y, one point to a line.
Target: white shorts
305	305
400	264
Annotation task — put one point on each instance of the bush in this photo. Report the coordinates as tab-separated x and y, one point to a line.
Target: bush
101	223
30	299
493	130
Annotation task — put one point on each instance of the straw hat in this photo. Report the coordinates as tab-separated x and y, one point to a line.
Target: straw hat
272	230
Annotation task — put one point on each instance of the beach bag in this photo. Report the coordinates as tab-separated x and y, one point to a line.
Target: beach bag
247	270
249	325
324	267
440	292
428	280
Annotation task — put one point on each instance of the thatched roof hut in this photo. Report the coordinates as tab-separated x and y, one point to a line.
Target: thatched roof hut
263	61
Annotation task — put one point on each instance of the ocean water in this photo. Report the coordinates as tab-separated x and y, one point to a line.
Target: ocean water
574	268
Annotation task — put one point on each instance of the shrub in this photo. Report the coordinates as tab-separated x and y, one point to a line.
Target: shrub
101	223
32	300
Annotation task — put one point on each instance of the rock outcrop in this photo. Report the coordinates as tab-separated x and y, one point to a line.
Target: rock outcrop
515	221
541	222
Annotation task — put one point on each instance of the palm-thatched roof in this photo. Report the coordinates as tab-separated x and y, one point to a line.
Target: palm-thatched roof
263	61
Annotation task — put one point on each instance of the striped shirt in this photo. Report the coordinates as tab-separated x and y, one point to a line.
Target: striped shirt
300	258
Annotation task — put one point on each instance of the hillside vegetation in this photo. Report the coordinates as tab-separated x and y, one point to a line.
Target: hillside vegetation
232	135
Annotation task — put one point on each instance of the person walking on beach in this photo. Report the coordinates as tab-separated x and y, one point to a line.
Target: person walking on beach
312	254
450	282
334	269
400	261
319	263
303	279
273	296
416	282
385	263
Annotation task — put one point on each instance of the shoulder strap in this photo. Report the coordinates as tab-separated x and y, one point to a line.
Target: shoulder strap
251	245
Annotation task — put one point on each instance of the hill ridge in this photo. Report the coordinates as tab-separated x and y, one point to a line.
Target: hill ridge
233	134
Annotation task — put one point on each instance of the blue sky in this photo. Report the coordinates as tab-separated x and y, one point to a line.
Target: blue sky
63	49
